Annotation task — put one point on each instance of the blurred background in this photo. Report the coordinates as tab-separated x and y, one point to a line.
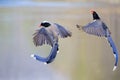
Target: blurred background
81	57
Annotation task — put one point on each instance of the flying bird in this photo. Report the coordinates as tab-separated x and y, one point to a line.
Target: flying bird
49	34
98	28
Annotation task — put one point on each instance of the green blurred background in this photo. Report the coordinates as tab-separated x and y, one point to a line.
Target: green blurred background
81	57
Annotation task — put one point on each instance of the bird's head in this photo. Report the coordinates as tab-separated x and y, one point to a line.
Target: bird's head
95	15
45	24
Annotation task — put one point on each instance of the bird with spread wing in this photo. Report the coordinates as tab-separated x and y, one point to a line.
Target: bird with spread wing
48	34
98	28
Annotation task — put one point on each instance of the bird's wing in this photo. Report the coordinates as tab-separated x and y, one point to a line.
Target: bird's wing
51	56
41	37
95	29
62	31
115	51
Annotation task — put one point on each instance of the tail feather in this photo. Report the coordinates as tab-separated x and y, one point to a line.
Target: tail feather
51	56
115	51
114	68
39	58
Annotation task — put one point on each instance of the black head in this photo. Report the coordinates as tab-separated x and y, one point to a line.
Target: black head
45	24
95	15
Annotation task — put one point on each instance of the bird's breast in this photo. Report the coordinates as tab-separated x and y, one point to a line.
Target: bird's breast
52	31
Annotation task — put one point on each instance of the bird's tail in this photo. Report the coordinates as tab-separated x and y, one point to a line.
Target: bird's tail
115	51
51	56
53	53
79	26
39	58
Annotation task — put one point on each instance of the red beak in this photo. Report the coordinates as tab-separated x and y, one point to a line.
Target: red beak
92	11
39	25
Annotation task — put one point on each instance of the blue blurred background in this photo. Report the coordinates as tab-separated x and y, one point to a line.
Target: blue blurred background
81	57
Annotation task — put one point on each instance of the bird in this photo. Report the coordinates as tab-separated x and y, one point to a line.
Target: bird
49	34
98	28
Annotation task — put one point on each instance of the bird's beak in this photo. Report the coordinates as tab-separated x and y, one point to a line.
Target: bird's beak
39	25
92	11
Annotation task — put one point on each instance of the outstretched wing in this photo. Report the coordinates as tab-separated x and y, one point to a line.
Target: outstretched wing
62	31
97	28
115	51
51	56
41	37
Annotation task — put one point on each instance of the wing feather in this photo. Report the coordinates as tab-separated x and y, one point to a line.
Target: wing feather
62	31
95	28
41	37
